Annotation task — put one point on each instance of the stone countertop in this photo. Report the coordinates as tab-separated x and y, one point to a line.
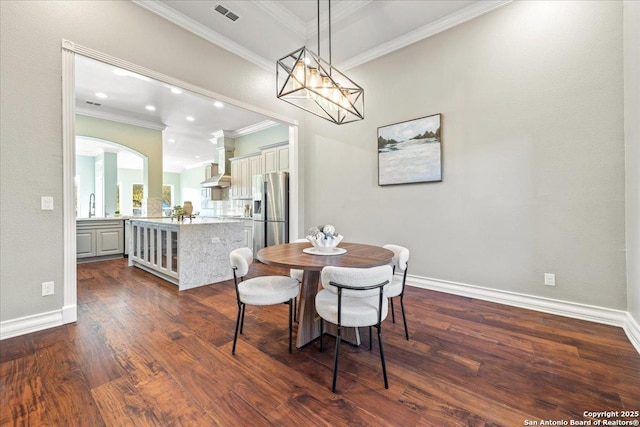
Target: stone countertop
95	218
194	221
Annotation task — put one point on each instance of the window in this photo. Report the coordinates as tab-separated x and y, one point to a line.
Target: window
138	195
167	199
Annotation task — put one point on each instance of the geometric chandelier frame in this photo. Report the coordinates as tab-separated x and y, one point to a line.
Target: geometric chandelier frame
309	82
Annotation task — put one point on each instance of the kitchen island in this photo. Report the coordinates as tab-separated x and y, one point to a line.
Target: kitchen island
187	253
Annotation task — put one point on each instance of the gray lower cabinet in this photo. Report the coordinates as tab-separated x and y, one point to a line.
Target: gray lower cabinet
85	243
99	238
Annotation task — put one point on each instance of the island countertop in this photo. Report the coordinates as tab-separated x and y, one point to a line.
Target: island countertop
188	253
193	221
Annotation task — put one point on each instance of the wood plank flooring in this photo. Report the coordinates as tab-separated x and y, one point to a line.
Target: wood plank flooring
142	353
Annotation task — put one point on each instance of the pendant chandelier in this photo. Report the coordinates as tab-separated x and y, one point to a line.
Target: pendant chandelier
309	82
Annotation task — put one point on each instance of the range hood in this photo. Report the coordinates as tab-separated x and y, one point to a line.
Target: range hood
217	180
220	176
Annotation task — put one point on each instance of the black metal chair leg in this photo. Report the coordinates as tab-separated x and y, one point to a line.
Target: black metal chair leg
384	366
404	317
335	366
370	342
393	312
290	322
242	319
235	335
321	334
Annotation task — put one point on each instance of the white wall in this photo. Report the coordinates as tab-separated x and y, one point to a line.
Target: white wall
632	146
533	176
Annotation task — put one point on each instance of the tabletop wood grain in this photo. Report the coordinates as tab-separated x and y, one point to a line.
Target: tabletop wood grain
290	255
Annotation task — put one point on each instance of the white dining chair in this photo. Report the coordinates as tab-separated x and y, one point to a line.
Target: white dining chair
400	264
261	290
353	297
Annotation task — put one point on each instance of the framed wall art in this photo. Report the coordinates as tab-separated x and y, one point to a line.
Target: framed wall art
410	151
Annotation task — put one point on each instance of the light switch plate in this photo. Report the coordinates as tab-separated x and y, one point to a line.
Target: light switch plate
46	203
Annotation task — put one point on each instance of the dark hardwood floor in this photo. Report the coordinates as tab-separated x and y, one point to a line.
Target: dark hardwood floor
141	353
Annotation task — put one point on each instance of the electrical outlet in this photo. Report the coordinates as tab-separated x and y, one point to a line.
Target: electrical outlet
47	288
46	203
549	279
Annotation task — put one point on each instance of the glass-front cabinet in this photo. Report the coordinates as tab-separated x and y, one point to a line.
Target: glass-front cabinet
155	246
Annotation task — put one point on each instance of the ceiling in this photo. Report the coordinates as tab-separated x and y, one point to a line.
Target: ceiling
361	30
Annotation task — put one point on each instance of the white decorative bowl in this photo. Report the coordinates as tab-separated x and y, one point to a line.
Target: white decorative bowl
325	244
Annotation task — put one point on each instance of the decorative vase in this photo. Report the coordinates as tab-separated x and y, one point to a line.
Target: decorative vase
188	208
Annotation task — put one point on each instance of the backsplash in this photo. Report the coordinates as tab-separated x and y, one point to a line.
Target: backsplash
223	207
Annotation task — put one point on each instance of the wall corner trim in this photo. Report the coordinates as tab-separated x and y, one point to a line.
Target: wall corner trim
574	310
25	325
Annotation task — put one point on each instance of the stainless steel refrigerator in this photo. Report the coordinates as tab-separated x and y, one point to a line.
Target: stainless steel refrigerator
270	210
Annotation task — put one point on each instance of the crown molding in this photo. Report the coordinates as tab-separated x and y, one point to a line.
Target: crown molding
339	12
266	124
284	17
257	127
423	32
205	32
310	28
121	119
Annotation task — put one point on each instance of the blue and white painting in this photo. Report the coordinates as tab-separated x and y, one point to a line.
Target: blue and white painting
410	151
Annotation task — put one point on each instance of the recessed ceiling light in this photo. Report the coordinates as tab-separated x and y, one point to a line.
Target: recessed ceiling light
190	118
172	140
101	95
176	90
197	157
150	108
218	104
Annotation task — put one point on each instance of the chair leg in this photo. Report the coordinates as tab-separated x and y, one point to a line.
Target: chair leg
370	342
393	312
321	334
290	321
404	317
235	335
335	366
242	319
384	366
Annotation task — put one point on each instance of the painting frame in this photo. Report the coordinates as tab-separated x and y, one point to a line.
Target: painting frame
410	152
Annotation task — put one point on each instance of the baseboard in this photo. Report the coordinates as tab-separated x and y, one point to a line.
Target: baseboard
574	310
26	325
632	329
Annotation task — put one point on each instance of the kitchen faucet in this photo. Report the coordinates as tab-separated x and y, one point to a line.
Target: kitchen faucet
92	205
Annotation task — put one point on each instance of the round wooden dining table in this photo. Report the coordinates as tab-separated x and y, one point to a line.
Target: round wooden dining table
291	255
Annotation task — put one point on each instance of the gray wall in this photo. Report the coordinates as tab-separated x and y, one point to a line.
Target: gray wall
532	101
632	145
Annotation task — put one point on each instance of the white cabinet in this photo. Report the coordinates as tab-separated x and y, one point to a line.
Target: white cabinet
255	166
242	169
155	246
275	158
98	238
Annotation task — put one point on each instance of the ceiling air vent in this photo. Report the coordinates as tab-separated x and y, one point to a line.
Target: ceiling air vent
226	12
97	104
